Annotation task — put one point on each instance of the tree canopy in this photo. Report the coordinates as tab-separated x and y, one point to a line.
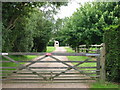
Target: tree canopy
26	27
86	25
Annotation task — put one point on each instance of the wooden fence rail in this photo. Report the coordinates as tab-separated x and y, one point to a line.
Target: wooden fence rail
89	48
98	49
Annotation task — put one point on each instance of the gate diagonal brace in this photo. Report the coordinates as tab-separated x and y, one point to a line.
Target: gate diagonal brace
21	67
70	67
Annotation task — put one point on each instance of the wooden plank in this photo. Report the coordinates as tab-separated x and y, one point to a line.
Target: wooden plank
43	79
57	67
53	61
7	67
23	53
94	54
47	82
90	45
66	76
46	67
75	54
51	70
54	73
55	54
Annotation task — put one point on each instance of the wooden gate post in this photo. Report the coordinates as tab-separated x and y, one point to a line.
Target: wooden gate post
102	64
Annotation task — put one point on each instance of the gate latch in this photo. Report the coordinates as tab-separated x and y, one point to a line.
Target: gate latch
48	54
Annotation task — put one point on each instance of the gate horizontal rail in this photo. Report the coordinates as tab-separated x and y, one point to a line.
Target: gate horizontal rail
43	80
48	67
54	54
66	76
53	70
47	82
53	61
55	73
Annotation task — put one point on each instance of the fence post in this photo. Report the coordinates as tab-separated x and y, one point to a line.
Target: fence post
78	49
102	64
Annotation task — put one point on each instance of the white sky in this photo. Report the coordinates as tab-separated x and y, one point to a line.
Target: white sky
67	11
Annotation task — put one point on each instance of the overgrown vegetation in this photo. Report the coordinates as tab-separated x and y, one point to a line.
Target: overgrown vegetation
112	42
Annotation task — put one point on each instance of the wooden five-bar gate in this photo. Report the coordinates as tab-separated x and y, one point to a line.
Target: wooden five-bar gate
70	73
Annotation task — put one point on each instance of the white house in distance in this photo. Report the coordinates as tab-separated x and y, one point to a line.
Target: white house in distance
56	43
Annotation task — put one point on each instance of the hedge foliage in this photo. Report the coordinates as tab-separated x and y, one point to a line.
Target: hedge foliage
112	42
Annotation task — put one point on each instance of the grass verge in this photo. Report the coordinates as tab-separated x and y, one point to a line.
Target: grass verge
82	58
12	64
69	50
50	49
105	85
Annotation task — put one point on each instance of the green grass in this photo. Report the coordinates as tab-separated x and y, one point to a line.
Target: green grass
69	50
105	85
50	49
81	58
93	49
16	58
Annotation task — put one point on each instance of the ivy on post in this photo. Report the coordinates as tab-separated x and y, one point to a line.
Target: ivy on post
102	64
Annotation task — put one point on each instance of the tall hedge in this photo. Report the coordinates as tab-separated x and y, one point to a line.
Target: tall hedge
112	42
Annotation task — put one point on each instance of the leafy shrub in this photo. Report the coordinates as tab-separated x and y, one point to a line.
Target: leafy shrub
112	42
51	43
